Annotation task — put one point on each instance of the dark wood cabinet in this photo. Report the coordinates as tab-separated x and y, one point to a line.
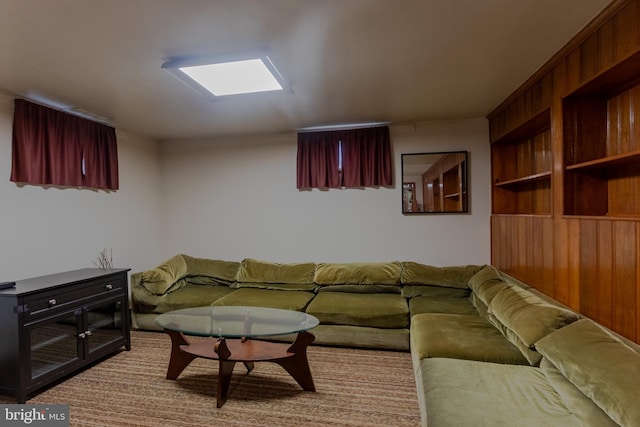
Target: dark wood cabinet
54	325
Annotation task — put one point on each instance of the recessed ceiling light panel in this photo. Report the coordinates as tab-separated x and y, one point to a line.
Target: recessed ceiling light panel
231	76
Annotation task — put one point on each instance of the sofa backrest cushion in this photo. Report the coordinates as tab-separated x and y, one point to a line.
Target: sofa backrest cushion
525	318
203	271
270	275
164	277
532	356
414	273
358	273
485	284
600	365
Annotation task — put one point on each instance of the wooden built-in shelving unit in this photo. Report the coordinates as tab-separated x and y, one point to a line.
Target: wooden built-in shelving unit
565	153
602	143
521	168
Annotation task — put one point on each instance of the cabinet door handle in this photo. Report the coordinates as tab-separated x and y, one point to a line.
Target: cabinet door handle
53	301
87	333
81	335
108	286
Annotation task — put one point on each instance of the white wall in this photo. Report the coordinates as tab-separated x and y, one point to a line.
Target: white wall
52	230
234	201
240	200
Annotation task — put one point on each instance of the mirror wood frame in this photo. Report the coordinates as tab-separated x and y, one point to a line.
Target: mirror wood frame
435	182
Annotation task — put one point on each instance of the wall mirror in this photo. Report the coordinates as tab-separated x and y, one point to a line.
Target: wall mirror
435	182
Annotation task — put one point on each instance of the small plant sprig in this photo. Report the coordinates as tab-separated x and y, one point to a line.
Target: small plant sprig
105	259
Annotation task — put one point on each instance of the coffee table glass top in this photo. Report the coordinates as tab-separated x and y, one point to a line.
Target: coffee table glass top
236	321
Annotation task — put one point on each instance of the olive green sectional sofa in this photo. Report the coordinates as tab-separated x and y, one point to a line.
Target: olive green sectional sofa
521	359
358	304
486	349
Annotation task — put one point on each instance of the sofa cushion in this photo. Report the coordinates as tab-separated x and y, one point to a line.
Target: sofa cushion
468	393
414	273
191	296
374	310
486	284
358	273
410	291
287	300
531	354
461	336
205	271
269	275
161	279
362	336
600	365
441	305
525	318
577	402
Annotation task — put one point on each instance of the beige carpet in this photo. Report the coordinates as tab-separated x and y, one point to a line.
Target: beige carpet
354	388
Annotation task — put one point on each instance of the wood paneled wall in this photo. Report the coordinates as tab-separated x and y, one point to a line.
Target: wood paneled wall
589	262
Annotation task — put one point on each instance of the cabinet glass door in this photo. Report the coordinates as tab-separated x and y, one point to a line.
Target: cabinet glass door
104	325
54	343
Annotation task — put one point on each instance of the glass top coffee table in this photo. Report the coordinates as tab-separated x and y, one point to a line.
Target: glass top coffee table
236	329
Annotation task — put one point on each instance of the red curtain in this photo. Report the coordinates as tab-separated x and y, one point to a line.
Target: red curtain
366	158
54	148
100	157
318	160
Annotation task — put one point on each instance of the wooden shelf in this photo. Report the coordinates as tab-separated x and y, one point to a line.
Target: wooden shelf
521	168
524	180
536	124
601	146
609	161
607	217
452	196
613	80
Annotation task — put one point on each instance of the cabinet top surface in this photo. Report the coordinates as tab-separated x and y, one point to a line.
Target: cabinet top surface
49	281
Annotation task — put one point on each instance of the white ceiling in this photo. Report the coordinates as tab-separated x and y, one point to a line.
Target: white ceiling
346	60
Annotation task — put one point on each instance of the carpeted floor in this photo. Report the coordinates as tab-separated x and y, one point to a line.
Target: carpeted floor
354	388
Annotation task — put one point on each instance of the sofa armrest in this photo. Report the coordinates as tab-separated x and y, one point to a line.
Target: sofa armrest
136	279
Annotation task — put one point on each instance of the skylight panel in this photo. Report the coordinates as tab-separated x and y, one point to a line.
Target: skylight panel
233	78
237	76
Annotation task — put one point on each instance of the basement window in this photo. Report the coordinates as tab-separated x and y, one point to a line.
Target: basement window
352	158
51	147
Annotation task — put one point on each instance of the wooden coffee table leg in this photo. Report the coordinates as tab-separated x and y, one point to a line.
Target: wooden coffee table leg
298	365
179	360
225	369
